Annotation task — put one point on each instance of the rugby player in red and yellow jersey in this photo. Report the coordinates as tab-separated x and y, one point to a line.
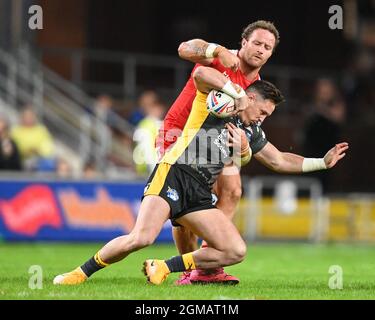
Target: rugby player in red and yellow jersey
259	40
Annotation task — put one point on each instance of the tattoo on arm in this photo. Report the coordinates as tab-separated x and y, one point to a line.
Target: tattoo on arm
201	50
197	48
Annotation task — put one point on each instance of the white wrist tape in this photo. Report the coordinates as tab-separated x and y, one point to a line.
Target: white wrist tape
313	164
230	89
210	50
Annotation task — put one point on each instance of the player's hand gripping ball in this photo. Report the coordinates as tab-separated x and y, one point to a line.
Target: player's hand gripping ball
220	104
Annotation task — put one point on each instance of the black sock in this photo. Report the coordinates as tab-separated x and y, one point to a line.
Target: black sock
90	267
175	264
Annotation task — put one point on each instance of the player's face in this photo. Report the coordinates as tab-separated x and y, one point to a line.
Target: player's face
257	49
258	110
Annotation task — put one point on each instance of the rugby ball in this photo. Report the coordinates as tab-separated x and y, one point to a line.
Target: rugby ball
220	104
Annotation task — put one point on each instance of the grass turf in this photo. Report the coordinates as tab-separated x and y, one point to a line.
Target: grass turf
271	271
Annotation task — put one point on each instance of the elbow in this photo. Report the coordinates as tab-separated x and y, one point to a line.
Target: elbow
198	74
181	50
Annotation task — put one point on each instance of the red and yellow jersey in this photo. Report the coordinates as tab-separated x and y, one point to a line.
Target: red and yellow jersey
178	113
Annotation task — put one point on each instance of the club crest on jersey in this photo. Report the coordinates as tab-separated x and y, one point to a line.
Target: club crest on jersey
172	194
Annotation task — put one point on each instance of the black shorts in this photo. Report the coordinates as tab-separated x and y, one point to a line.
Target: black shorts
181	187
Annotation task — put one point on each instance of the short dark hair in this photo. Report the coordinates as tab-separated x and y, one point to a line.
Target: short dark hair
261	24
267	90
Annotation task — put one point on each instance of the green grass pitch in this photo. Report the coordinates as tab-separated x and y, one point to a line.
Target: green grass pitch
270	271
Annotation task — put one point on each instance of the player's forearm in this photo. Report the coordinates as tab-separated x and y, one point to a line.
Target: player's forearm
289	163
281	162
196	51
193	50
206	79
294	163
285	162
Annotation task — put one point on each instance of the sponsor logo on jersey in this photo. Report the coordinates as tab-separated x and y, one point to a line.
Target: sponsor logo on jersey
248	130
172	194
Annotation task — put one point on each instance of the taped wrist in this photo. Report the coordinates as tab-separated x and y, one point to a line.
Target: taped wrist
313	164
210	50
246	156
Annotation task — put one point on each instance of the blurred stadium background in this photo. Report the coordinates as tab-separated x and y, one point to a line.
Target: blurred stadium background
98	71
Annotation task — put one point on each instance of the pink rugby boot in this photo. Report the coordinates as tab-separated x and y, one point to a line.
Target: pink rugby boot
208	276
184	279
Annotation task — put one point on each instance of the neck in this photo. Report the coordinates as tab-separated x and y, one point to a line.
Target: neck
249	71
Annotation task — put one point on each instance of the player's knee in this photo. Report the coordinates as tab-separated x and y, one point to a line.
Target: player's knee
236	193
232	194
241	251
238	252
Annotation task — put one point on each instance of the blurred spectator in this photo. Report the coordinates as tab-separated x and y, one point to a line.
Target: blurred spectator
10	158
103	110
325	91
90	171
144	136
359	83
33	140
145	100
324	126
63	169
